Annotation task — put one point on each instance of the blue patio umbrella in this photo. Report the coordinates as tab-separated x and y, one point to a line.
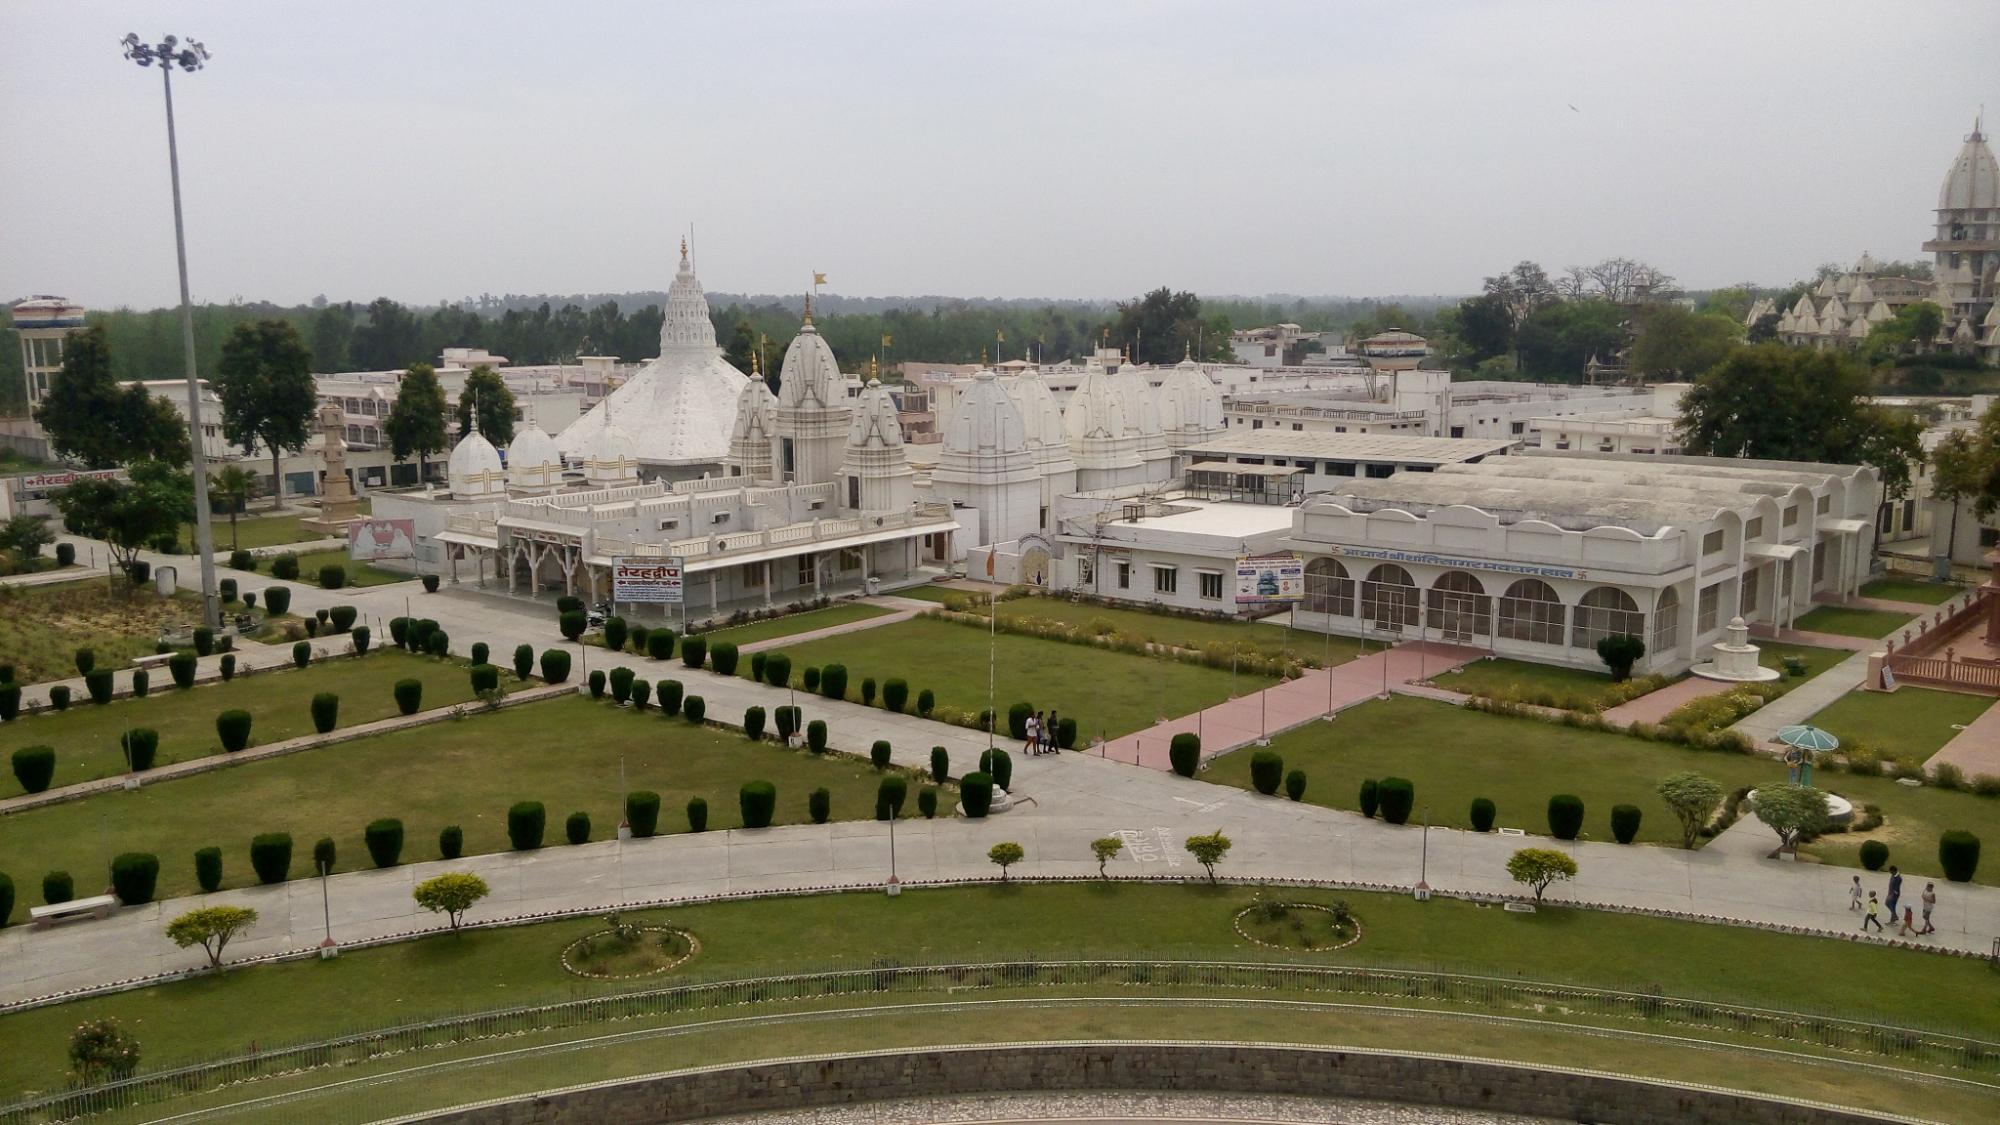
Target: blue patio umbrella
1807	738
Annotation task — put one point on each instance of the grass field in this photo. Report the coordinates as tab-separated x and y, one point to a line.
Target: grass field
1816	660
1910	724
563	752
278	1004
86	737
1182	632
795	623
1911	590
1572	688
930	593
41	627
253	531
358	573
1453	755
1109	693
1846	621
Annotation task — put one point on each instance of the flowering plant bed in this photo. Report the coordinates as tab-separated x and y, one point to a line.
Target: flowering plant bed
1298	926
625	950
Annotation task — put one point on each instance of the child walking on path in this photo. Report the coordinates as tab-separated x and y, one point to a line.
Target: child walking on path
1854	895
1874	915
1930	903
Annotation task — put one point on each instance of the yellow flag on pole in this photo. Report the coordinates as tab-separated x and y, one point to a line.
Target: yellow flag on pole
819	278
887	339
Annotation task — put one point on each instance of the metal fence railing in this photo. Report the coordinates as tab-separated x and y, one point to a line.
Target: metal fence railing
1416	988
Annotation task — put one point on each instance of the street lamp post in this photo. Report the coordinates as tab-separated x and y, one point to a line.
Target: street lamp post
192	56
328	949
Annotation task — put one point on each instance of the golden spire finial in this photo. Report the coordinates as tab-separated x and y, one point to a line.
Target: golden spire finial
684	248
872	368
754	366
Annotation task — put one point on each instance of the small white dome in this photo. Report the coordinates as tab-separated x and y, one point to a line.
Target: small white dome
1096	409
607	443
986	421
474	468
532	449
1041	418
1974	178
1189	402
756	411
875	423
810	377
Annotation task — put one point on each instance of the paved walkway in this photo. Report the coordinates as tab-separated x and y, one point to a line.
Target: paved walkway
901	609
1815	640
1654	706
1974	750
1806	700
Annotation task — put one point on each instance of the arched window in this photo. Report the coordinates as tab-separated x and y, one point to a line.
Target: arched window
1530	611
1667	621
1389	597
1328	588
1606	611
1458	608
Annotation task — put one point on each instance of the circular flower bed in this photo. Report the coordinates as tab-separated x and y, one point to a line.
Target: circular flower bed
1298	926
623	952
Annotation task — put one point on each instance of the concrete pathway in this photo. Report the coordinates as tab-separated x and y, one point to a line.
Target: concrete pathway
901	609
1815	640
1974	750
1654	706
1806	700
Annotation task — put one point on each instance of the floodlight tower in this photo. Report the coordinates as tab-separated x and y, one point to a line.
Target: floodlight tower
170	53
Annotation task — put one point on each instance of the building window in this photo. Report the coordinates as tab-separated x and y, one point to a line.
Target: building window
1792	516
1342	468
1746	601
1706	609
1712	542
1819	563
1328	588
1298	425
1989	537
1667	621
1754	529
1389	597
1458	606
1124	576
753	575
1211	585
1520	427
1378	472
1166	580
1823	504
807	570
1530	611
1605	611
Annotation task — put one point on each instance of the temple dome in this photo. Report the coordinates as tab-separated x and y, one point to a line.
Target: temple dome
686	323
986	421
608	441
1189	403
756	412
1041	418
810	377
875	423
1974	178
474	468
533	461
1097	409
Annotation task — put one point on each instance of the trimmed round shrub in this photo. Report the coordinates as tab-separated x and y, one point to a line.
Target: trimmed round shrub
597	683
787	720
34	767
878	754
671	696
1267	771
479	652
451	842
1398	797
1066	734
233	729
437	642
816	736
576	828
895	695
1295	784
86	661
660	644
1874	853
868	691
525	823
325	711
757	800
926	702
819	805
249	599
324	856
940	764
180	666
569	603
1624	823
722	658
409	695
139	570
753	723
58	887
572	623
142	747
485	678
302	654
226	666
777	669
285	566
6	895
694	651
833	681
1958	854
1018	715
809	679
697	814
927	802
65	556
430	583
524	661
98	684
359	635
1565	816
321	615
1482	814
975	792
133	877
420	634
277	600
141	682
342	617
998	765
889	796
641	692
641	636
241	559
621	684
758	662
1184	753
312	626
204	637
332	576
615	633
642	812
696	709
59	697
384	838
208	869
271	856
399	631
1370	799
555	665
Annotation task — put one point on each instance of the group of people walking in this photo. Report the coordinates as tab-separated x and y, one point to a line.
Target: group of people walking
1041	733
1871	911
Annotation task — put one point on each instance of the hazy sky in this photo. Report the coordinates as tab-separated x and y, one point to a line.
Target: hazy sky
1086	148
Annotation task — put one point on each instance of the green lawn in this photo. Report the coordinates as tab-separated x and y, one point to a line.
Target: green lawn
1911	590
253	531
86	737
41	627
358	573
563	752
933	593
1816	660
1553	685
1846	621
1453	754
1909	724
1181	632
1108	693
447	974
793	623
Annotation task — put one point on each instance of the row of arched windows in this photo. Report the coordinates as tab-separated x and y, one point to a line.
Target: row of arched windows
1458	606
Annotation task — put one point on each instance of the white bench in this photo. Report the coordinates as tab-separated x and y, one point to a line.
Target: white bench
97	906
152	660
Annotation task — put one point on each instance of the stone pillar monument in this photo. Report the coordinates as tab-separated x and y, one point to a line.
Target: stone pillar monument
1735	658
336	494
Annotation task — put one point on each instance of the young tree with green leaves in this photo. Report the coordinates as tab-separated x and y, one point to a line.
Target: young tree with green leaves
1106	849
416	422
1208	850
1674	341
450	894
1794	812
485	389
1004	855
1693	799
1965	466
211	927
129	514
25	535
1539	867
265	383
93	418
235	486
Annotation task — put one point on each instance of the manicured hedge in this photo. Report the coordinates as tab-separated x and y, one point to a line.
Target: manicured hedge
889	796
696	709
142	747
133	877
555	665
1018	715
1295	784
34	767
975	792
271	856
226	666
1370	798
342	617
141	680
621	684
1482	814
597	683
641	693
1565	816
816	736
204	637
819	805
302	653
208	868
787	721
6	893
485	678
430	582
777	669
753	723
895	695
576	829
926	702
58	887
660	644
524	661
332	576
757	800
671	695
998	765
86	661
1958	854
180	666
385	841
409	695
59	696
526	821
940	764
359	635
324	856
1874	853
572	623
1184	753
694	651
833	681
325	711
98	683
723	658
1267	771
233	729
927	802
868	691
277	600
809	679
878	754
285	566
1624	823
642	812
697	814
451	842
437	642
1398	797
614	633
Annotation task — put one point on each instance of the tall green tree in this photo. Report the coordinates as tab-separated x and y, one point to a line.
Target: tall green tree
129	514
742	344
1163	326
391	337
416	422
332	332
1557	341
1675	341
93	418
268	395
1914	326
1966	466
488	391
1795	404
